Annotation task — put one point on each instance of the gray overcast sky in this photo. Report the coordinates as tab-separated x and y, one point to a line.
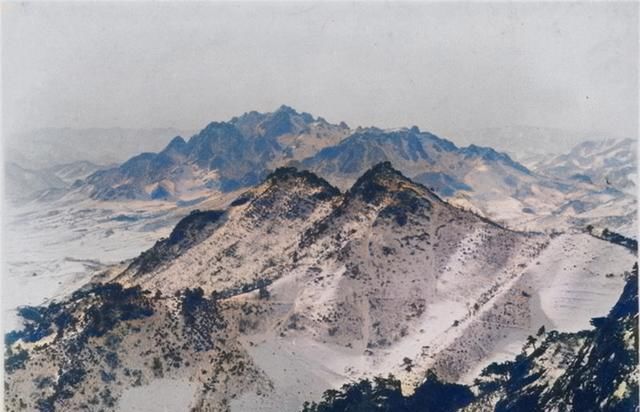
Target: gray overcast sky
440	66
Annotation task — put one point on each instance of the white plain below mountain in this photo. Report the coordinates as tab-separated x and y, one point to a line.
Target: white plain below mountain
292	285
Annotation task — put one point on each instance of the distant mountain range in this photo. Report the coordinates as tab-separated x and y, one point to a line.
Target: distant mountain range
224	156
230	155
592	184
298	287
234	155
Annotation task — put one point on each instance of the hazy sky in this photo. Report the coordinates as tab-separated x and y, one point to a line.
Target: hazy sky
439	66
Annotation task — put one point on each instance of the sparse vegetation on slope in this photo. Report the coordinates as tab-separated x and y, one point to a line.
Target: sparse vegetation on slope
585	371
187	233
293	289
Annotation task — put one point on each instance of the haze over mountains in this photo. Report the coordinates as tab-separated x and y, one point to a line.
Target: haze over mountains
275	256
258	141
49	160
521	140
49	147
24	185
223	156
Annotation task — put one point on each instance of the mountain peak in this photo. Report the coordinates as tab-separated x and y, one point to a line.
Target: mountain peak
176	143
289	174
177	140
399	199
382	170
490	154
380	179
304	117
286	109
284	173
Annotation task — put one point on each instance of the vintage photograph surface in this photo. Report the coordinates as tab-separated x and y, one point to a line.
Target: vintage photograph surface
319	206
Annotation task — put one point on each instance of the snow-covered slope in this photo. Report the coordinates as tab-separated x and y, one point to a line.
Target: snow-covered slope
603	176
590	370
297	288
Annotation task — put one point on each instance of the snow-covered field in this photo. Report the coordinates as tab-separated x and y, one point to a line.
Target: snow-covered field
161	395
576	278
52	251
579	277
53	248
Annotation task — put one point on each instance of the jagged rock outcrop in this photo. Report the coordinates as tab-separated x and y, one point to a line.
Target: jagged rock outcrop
224	156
